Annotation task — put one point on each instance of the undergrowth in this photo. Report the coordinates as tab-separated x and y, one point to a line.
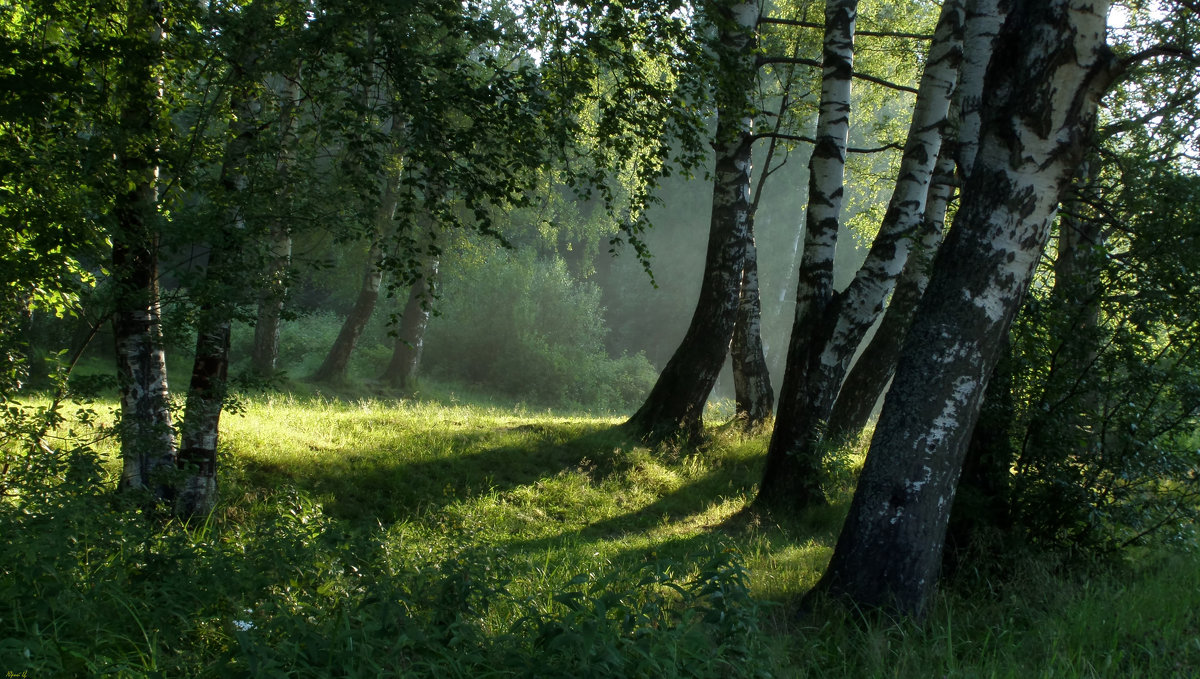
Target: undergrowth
380	538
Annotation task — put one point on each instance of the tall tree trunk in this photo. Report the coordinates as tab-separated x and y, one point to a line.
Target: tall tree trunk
872	371
1050	69
333	369
264	354
798	480
224	277
676	403
753	395
147	436
410	336
829	328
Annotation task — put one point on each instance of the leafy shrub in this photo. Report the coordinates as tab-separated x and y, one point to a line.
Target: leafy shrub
94	588
521	325
1107	380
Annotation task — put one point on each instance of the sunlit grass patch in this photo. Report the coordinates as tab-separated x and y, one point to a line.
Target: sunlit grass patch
396	537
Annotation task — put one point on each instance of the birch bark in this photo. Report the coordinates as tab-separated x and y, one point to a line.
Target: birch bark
334	367
787	477
828	327
410	337
753	395
873	370
265	353
147	436
1049	71
676	403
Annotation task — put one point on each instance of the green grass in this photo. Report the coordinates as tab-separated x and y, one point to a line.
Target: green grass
383	537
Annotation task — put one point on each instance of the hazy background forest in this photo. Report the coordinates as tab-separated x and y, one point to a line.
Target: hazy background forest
361	339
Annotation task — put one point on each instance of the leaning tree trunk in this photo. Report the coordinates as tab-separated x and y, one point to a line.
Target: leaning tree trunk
872	371
224	278
333	369
826	336
147	435
798	480
1050	69
753	395
410	336
676	403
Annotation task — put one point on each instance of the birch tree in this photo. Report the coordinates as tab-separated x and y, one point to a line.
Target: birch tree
872	372
827	327
676	403
1049	70
148	447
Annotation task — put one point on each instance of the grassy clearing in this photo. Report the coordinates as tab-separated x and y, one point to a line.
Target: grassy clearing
378	537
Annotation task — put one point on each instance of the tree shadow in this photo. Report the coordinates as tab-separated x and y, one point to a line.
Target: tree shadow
358	483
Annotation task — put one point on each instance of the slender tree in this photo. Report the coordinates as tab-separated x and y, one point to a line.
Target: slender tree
676	403
402	369
828	327
148	448
337	361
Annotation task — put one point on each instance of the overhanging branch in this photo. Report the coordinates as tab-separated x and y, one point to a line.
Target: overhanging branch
802	61
874	34
809	140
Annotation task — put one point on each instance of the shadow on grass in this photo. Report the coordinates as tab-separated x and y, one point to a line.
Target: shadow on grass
362	483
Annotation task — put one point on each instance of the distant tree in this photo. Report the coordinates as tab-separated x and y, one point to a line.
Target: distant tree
402	369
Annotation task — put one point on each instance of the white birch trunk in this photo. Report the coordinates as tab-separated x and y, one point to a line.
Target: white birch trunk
825	338
676	403
147	436
1049	71
984	19
787	478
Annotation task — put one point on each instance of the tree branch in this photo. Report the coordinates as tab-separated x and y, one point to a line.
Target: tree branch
874	34
809	140
803	61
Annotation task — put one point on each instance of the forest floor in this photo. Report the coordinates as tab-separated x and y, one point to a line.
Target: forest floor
392	537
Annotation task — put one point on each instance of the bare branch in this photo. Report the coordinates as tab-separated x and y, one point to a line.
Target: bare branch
874	34
809	140
803	61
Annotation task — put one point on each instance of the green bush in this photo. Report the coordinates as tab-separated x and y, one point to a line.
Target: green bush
522	326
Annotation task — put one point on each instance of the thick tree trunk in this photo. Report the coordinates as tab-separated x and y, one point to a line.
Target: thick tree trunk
333	369
981	501
872	372
147	436
410	336
829	328
1050	69
676	403
753	395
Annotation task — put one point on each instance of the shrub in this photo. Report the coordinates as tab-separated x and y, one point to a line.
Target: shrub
523	326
